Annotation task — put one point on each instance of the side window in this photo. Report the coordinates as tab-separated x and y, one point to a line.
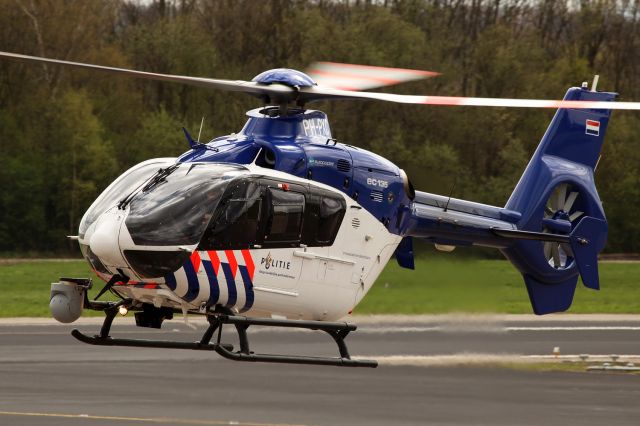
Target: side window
284	221
323	218
237	221
253	213
331	213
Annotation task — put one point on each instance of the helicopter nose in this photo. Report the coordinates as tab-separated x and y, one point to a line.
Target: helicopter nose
104	241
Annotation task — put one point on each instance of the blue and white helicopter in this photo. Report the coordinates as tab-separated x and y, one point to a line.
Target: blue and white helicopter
282	225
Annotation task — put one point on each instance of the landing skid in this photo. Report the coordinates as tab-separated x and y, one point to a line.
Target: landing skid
337	330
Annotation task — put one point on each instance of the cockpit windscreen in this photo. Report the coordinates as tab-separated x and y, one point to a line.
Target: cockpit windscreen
176	209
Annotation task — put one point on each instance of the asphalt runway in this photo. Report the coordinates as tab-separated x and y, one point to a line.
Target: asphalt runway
48	378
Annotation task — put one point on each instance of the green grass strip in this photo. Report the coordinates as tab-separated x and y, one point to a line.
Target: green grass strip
438	285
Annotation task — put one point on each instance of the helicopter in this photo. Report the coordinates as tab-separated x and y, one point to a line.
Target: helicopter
282	225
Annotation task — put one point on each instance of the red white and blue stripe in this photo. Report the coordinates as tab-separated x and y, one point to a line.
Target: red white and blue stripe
216	277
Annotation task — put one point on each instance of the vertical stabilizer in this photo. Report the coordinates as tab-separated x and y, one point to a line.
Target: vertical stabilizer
556	194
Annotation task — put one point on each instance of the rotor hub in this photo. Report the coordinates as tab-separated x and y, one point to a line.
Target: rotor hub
286	76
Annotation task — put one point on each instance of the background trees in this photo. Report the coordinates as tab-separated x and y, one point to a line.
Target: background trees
64	135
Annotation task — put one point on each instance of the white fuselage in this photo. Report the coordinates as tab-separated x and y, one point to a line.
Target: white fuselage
319	283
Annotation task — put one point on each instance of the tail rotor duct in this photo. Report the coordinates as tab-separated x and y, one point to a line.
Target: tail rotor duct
560	217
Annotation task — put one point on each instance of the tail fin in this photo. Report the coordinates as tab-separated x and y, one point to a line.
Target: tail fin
557	194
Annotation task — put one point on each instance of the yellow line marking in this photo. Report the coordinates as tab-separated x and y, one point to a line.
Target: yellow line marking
141	419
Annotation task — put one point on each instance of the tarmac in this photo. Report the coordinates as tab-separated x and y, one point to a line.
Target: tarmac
434	370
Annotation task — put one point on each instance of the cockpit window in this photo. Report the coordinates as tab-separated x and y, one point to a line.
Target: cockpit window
126	183
176	210
236	224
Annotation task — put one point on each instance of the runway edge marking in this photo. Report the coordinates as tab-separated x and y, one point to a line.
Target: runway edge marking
142	419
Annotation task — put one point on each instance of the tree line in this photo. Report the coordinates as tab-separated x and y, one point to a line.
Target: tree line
66	134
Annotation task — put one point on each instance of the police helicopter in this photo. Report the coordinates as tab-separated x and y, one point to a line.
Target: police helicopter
281	225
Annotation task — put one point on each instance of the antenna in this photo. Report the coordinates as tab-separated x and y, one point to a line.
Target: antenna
446	206
200	132
594	85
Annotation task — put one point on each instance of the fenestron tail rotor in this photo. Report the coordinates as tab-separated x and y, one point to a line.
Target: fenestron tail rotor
560	217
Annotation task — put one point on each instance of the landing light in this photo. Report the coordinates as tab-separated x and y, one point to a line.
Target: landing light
123	310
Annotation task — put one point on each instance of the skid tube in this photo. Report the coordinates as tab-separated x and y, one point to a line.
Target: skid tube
337	330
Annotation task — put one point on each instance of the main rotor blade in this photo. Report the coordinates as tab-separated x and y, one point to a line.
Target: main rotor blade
317	93
362	77
278	91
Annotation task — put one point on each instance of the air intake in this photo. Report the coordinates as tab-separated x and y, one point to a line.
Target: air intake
377	196
355	222
344	166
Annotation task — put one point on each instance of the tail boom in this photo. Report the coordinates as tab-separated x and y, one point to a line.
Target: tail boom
458	222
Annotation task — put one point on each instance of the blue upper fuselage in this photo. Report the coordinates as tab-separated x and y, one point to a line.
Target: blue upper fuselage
301	144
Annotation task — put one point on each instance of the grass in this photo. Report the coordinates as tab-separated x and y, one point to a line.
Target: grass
438	285
24	286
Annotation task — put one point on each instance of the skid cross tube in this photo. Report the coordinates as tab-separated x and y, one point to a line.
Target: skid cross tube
337	330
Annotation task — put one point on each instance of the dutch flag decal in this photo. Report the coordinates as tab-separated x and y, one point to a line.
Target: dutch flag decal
593	128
